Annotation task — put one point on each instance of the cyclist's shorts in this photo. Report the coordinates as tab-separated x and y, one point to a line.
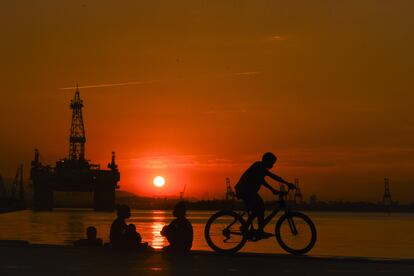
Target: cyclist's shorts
253	202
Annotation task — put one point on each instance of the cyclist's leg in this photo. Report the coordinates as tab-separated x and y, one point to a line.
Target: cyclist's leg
248	206
251	217
259	209
255	205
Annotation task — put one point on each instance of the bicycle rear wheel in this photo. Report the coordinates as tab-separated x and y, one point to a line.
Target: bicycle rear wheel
296	233
225	232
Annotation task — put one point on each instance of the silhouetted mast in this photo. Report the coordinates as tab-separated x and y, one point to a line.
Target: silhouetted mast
21	185
77	131
298	198
113	166
229	192
18	184
182	192
386	199
36	161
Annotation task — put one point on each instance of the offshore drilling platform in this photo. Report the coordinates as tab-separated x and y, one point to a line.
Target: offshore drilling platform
74	173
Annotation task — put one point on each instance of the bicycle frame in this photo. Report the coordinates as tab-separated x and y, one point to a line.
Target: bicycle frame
287	225
278	205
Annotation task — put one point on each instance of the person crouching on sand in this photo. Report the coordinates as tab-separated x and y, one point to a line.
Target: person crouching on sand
119	227
91	239
179	232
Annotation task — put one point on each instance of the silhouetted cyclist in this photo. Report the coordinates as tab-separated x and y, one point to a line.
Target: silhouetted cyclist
249	185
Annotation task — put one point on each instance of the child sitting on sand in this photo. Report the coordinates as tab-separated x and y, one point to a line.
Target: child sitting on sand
91	239
133	239
179	232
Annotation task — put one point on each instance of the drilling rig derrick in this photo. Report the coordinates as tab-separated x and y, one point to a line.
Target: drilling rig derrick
75	173
77	137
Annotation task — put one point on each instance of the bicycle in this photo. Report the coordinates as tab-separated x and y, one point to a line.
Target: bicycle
227	231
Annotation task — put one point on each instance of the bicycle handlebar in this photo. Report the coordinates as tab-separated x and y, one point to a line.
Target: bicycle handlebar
281	194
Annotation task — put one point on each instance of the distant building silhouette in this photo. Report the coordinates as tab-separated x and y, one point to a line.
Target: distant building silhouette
313	200
386	198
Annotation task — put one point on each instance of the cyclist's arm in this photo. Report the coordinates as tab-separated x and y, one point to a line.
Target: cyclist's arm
279	179
267	185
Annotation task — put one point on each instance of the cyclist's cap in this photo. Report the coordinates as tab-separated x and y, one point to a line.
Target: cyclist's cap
269	157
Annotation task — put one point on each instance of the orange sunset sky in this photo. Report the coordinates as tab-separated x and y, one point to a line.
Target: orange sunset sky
325	85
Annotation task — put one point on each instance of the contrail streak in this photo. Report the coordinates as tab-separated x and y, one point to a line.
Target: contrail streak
156	81
111	84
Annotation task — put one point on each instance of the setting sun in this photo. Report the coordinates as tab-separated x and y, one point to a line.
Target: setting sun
159	181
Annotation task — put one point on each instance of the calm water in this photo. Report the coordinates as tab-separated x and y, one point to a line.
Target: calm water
339	234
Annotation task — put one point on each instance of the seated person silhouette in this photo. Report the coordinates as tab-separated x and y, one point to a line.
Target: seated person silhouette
179	232
91	239
249	185
133	239
119	227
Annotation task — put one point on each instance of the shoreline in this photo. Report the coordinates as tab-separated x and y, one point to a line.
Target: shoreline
25	244
19	259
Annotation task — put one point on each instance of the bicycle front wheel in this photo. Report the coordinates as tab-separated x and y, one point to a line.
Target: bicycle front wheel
296	233
225	232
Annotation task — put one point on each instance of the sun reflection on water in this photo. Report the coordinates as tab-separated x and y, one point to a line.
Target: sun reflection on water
157	241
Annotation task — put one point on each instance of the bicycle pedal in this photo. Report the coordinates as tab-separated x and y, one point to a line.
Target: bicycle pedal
266	236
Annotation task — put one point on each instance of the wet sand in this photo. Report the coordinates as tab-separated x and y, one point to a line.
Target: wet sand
25	259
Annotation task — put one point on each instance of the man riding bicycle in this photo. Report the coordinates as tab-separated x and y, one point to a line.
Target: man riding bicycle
249	185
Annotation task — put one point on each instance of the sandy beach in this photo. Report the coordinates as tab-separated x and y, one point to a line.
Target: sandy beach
25	259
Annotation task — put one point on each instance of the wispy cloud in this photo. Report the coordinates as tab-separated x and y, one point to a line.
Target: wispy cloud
278	37
179	161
